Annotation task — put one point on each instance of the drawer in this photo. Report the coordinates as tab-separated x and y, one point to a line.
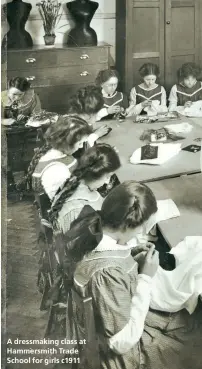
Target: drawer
60	75
29	60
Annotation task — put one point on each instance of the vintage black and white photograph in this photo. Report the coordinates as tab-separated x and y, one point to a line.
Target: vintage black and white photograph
101	184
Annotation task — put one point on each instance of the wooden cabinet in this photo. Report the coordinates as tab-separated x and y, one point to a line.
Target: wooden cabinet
57	72
165	32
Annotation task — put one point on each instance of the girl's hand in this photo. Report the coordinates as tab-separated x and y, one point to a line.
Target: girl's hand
151	262
188	104
20	117
114	109
102	131
146	103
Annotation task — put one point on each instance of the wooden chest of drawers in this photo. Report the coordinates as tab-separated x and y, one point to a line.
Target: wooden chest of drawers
57	72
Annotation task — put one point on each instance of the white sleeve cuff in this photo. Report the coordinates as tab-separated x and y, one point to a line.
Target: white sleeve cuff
128	337
101	114
92	138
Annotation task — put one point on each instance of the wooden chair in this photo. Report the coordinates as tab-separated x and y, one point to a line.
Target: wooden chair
42	203
85	330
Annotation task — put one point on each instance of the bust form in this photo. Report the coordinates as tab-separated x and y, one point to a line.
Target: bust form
82	12
17	13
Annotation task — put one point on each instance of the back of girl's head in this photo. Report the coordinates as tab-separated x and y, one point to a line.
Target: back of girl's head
187	70
128	205
87	100
94	163
104	75
68	130
149	69
85	233
20	83
97	161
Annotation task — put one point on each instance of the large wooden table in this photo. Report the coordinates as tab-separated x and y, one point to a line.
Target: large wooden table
186	192
125	136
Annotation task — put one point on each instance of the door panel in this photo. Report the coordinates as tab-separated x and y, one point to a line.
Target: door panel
182	36
147	37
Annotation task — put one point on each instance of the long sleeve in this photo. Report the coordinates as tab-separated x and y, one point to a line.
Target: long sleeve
173	99
92	138
122	317
134	109
163	97
53	177
37	105
101	114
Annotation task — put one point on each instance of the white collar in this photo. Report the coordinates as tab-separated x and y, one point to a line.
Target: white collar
104	94
109	244
52	154
148	89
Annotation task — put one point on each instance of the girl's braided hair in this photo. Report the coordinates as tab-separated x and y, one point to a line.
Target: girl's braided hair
61	136
94	163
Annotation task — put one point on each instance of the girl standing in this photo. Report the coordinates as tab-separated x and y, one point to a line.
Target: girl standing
188	89
115	102
141	96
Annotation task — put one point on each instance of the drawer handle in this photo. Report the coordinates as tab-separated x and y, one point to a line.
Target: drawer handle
30	60
84	56
84	74
31	78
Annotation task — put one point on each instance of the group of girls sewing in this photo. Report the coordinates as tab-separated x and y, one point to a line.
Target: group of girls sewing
187	91
131	334
184	94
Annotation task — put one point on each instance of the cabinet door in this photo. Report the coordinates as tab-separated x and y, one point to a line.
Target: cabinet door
147	41
182	35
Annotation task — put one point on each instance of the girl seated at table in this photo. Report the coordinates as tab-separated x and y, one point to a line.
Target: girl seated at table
92	171
149	95
53	162
19	100
131	335
115	102
86	103
188	90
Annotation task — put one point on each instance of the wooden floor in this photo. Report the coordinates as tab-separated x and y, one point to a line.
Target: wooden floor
24	320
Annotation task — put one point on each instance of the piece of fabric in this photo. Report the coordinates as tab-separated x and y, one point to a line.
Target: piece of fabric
181	287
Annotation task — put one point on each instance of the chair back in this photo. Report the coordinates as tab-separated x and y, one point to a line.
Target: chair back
87	339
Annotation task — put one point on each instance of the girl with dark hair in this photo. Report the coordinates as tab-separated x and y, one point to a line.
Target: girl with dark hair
143	95
93	169
188	89
86	103
130	335
20	100
114	102
52	163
